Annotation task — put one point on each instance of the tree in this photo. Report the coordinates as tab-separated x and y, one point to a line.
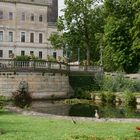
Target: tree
57	40
117	37
135	31
81	21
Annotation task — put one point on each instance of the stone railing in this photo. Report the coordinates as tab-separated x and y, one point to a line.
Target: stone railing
32	65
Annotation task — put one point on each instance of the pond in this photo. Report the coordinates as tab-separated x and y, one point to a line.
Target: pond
84	109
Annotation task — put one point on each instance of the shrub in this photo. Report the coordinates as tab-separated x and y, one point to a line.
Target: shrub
22	58
110	97
102	96
21	99
137	85
51	58
107	97
107	83
129	98
119	83
82	94
83	86
2	101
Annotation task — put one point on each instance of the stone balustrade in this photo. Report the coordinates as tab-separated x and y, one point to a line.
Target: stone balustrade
42	65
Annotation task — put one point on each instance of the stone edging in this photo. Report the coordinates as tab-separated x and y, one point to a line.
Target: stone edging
33	113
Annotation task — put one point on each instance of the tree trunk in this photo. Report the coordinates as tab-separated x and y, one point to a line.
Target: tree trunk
88	56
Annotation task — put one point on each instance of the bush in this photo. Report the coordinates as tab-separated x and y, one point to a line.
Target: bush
102	96
2	101
119	83
22	58
107	97
21	99
83	86
82	94
137	85
107	83
51	58
110	97
129	98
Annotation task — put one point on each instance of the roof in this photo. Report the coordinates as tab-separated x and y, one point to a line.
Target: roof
34	2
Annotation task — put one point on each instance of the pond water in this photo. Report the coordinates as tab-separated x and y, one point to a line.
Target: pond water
84	110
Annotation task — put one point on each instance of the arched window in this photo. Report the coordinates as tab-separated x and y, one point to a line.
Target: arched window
1	14
40	18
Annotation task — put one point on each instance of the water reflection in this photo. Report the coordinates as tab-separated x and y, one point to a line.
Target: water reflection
84	110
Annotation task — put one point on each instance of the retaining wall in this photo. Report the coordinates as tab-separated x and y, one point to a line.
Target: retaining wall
41	86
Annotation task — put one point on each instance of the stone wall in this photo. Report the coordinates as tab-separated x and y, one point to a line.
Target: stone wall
41	86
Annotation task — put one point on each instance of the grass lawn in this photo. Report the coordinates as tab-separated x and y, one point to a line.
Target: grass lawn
18	127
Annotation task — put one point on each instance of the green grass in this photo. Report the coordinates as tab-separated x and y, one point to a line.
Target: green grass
18	127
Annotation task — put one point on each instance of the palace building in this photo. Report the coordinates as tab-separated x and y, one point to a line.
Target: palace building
25	26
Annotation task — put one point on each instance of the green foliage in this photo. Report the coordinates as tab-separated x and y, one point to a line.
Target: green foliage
118	83
114	24
110	97
135	30
27	58
22	58
57	41
51	58
103	97
129	98
3	101
121	36
135	136
107	97
76	101
81	27
137	85
82	94
83	85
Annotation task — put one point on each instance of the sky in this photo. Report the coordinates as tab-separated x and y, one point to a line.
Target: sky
60	6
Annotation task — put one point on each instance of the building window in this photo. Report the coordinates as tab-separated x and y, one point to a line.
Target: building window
10	36
10	54
40	55
32	37
1	53
22	36
23	17
1	36
22	53
10	16
54	55
31	52
32	17
1	14
40	38
40	18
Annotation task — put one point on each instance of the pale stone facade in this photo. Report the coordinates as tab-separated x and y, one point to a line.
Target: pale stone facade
24	29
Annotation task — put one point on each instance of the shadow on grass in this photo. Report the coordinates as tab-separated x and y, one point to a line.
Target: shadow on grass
4	112
86	137
135	136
